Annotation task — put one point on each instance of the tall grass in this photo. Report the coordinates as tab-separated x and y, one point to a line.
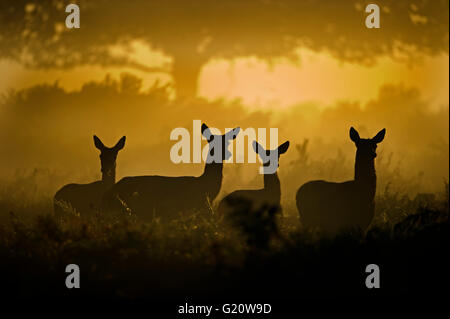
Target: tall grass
200	254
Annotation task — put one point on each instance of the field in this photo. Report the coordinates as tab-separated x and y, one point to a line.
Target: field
200	255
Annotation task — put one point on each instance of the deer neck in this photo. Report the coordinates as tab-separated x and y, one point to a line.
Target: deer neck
213	171
272	186
109	178
211	179
365	175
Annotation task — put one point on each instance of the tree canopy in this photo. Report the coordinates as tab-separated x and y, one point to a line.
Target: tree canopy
194	31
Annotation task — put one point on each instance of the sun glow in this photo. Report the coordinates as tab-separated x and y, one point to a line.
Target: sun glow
315	76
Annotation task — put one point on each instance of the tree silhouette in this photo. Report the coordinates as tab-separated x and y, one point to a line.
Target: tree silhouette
194	31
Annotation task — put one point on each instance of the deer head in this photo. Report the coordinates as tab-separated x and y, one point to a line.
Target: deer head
270	157
366	147
108	156
218	144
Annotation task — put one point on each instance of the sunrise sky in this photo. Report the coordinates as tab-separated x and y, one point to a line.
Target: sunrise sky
311	66
314	77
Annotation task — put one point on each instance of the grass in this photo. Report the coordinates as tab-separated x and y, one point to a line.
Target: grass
202	255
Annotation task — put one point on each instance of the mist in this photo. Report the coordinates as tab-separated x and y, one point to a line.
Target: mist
47	132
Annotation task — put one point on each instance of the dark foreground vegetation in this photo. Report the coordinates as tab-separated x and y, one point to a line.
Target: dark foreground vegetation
201	255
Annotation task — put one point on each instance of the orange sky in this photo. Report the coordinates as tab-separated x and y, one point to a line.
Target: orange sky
315	77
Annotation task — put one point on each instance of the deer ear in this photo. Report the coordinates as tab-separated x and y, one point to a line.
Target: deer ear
283	148
379	137
354	136
120	144
258	148
255	146
98	144
206	132
233	133
204	128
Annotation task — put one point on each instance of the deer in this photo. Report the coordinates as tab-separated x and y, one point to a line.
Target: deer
333	207
165	197
256	208
86	198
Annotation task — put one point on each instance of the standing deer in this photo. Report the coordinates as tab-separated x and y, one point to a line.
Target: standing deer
332	207
164	196
254	211
85	198
257	199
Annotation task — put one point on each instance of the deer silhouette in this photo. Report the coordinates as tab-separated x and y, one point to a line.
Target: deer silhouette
333	207
262	200
86	198
165	197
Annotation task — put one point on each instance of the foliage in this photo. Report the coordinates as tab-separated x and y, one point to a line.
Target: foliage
201	255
